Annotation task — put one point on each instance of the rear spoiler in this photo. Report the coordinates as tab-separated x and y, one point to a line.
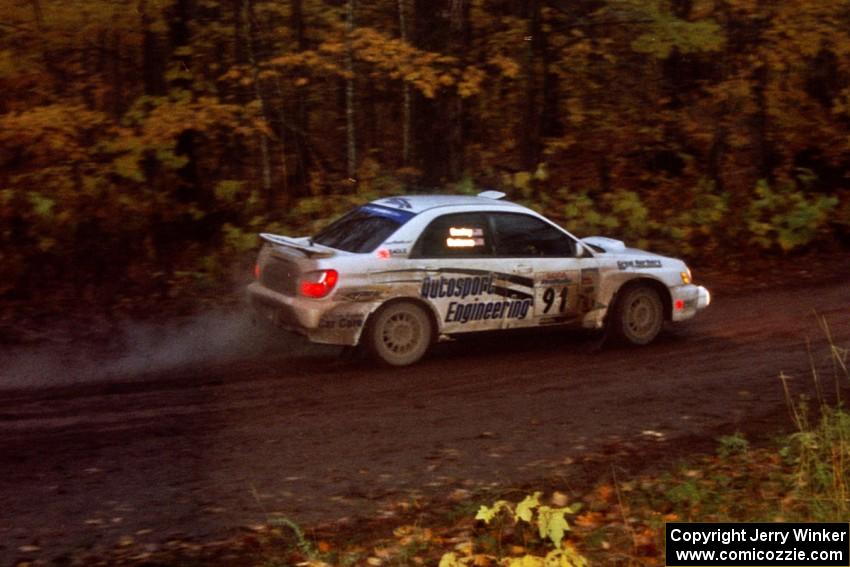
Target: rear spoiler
305	249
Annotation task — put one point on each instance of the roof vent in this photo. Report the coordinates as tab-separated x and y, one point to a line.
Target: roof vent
492	195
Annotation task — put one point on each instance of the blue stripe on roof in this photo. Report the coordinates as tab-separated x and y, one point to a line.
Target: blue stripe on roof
397	215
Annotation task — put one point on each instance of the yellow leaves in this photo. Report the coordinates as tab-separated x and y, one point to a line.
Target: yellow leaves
168	119
568	557
575	108
526	561
391	58
267	74
9	64
506	66
332	48
470	82
408	535
465	547
53	133
325	60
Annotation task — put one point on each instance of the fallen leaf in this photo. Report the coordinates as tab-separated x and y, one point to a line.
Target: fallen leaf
29	548
559	499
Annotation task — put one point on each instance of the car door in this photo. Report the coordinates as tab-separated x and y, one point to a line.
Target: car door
544	260
460	277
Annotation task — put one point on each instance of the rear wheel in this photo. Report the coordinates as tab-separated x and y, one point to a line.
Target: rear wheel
638	315
399	334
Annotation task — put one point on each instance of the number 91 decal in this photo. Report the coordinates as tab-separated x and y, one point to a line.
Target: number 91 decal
554	298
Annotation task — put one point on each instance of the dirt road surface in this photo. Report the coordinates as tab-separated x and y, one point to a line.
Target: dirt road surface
197	452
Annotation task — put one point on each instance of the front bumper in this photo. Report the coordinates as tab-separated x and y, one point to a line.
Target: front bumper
688	300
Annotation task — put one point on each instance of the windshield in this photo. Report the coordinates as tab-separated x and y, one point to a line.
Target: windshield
362	229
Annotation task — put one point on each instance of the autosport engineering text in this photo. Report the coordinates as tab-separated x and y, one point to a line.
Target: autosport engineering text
475	310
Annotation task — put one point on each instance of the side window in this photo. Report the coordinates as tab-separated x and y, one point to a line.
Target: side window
463	235
524	236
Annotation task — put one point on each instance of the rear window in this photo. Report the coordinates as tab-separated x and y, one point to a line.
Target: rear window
362	229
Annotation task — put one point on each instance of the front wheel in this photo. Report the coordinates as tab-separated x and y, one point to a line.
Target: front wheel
638	315
399	334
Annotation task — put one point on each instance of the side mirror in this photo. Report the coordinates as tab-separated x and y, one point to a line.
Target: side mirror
582	251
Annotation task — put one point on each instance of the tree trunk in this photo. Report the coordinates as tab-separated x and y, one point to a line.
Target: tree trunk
461	35
153	61
302	154
351	138
248	27
407	102
764	159
530	126
180	16
116	71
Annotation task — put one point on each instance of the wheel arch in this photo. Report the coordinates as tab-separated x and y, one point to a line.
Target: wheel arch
659	286
426	306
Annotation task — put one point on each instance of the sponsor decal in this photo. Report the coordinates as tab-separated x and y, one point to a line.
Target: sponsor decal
361	295
589	276
587	299
487	310
638	264
522	281
549	278
399	202
341	322
513	305
434	288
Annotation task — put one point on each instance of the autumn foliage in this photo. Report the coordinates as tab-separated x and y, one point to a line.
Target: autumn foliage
144	142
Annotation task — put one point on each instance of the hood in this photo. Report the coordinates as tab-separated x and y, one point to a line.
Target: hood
613	246
605	243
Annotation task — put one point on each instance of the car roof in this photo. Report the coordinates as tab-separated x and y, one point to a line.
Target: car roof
419	203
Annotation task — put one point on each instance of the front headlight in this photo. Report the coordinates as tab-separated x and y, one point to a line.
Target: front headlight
686	276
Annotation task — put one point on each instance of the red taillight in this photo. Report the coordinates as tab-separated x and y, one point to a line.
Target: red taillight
679	305
318	284
257	271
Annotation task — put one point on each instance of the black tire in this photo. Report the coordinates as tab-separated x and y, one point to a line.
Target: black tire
399	334
638	315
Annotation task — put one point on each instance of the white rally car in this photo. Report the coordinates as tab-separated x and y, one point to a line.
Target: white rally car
399	273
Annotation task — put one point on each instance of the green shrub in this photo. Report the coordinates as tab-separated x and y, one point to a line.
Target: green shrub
786	216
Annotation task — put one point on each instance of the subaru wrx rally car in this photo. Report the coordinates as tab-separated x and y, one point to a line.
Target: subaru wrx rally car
397	274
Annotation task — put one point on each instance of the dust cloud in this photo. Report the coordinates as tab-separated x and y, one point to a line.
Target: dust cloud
138	351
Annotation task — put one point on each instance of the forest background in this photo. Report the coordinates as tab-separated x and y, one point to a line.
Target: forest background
144	143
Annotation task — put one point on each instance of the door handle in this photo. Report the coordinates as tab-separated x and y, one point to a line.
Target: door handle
522	269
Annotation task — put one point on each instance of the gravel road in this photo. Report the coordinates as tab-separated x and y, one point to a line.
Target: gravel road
201	449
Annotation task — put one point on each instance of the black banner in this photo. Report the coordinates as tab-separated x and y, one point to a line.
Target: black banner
762	544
